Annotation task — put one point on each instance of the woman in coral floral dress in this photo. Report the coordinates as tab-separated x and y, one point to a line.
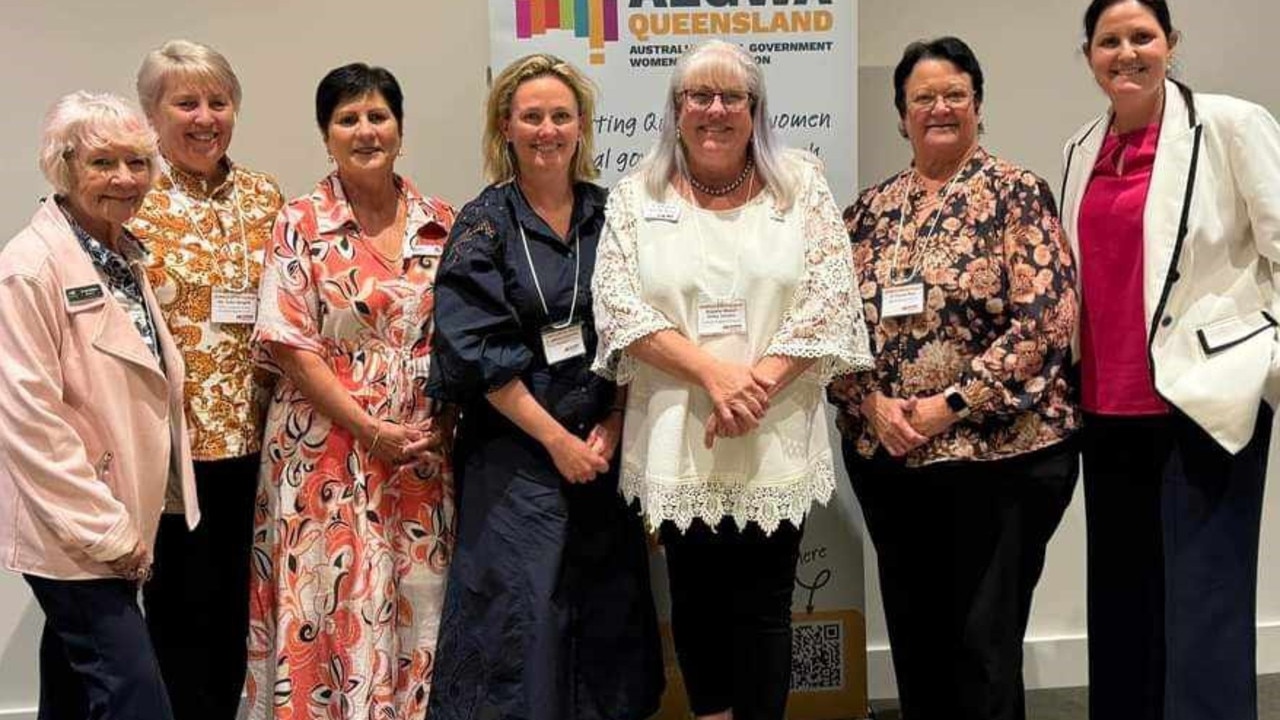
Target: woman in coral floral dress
354	520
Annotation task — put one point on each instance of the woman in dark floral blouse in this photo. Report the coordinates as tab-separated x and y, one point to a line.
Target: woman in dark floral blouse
956	442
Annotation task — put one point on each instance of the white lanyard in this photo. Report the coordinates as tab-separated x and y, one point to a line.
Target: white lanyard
244	239
577	267
702	245
902	220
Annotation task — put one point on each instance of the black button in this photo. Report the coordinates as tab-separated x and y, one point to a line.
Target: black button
1175	276
1166	322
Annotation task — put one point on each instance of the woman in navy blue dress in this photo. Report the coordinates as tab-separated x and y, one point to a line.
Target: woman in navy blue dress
548	613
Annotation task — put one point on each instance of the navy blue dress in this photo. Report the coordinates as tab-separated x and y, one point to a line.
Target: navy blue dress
548	613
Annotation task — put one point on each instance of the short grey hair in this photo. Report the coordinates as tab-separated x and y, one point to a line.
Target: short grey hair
85	121
189	60
722	61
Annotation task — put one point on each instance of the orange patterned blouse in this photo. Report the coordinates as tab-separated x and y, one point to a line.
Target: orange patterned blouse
196	236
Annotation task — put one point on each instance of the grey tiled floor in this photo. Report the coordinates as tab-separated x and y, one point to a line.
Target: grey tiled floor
1073	703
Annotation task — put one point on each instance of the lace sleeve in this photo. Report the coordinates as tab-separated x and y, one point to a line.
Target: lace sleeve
622	316
825	318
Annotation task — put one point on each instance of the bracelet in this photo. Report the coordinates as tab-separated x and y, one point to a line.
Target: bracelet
376	437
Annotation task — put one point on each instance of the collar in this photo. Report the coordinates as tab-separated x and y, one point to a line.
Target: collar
334	213
192	185
131	250
588	201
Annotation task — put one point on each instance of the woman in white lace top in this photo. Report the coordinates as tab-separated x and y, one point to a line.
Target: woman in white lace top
724	301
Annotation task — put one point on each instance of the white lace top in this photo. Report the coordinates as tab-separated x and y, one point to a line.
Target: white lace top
793	269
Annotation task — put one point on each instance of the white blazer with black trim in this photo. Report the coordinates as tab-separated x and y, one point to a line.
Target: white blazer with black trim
1211	244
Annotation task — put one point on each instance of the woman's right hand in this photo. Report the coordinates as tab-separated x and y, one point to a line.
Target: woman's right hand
392	443
134	565
888	418
574	459
740	397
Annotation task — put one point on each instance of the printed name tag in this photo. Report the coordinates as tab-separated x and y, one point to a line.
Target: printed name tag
902	300
420	247
1225	333
83	294
722	318
234	308
667	212
563	343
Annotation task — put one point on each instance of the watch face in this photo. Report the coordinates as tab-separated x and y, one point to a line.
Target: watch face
956	402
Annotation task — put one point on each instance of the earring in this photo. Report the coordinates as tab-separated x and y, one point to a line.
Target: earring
331	160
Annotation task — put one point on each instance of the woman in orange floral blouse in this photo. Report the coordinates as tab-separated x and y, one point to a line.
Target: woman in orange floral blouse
353	527
957	442
205	224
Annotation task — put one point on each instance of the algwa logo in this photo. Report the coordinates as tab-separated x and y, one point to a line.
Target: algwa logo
595	20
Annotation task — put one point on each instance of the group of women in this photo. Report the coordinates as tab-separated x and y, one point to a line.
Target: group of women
411	456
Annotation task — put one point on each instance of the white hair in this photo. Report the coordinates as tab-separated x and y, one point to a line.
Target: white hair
724	64
85	121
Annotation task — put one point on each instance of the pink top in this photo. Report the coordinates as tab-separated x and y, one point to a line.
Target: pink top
1115	367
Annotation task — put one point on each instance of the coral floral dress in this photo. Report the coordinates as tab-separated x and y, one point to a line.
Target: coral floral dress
349	554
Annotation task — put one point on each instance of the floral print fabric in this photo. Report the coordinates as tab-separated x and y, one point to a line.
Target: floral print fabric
198	237
1000	309
349	555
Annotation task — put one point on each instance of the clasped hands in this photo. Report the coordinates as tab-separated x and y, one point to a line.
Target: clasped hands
424	444
741	398
580	461
902	425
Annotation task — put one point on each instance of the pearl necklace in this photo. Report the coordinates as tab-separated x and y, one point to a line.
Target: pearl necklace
723	189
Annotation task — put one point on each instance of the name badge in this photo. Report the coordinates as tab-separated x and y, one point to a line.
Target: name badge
235	308
563	343
83	294
421	366
420	247
722	318
666	212
902	300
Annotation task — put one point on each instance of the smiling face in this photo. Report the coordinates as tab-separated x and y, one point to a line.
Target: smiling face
715	135
1129	53
194	121
543	126
107	187
363	136
941	119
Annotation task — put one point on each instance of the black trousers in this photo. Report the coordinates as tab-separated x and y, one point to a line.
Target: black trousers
197	601
731	615
1173	528
96	662
960	547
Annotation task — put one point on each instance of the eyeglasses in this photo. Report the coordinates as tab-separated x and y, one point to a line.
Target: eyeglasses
731	100
954	99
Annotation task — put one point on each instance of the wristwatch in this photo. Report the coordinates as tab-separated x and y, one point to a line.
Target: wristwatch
956	402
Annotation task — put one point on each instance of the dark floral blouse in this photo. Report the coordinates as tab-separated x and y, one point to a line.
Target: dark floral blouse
1000	309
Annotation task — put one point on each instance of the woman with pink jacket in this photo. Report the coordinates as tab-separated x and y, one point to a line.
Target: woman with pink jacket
93	443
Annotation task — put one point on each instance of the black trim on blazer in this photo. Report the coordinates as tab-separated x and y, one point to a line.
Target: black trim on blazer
1212	349
1066	172
1177	255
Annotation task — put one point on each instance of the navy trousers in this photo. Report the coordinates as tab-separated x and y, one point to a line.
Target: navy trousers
1173	529
96	662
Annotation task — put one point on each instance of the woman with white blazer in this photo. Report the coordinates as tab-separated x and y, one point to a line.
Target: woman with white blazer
93	441
1171	200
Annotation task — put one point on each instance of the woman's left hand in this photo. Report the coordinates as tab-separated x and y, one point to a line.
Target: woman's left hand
432	446
931	415
604	437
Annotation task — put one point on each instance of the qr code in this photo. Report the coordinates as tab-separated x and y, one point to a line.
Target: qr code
817	656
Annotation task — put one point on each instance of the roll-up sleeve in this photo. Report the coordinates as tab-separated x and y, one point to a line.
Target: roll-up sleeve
824	321
622	315
288	299
1012	374
478	344
46	458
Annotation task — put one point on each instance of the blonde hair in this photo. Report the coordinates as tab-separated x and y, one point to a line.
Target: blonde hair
719	62
92	121
187	59
499	163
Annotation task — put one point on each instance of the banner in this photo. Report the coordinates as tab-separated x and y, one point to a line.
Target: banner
808	54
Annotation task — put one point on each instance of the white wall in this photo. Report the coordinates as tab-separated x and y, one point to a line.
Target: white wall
1038	91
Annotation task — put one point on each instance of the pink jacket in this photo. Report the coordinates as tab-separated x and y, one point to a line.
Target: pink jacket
88	421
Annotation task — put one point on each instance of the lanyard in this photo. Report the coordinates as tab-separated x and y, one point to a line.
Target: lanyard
244	239
902	220
577	267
